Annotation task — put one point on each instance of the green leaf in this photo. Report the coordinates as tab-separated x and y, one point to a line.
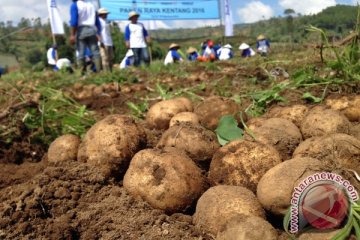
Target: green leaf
312	98
228	129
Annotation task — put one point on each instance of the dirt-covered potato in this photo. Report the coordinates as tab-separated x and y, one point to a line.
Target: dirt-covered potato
221	203
64	148
280	133
294	113
111	143
355	131
275	188
348	105
319	235
199	143
160	113
185	117
213	108
255	122
242	163
320	121
167	179
244	227
335	150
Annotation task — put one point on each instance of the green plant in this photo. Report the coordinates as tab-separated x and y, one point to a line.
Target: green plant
228	130
138	110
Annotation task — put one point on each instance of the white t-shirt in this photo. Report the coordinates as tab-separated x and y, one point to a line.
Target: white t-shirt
224	53
105	33
63	62
169	58
137	38
87	13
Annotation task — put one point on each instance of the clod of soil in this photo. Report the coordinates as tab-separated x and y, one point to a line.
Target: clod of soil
336	150
185	117
244	227
219	204
64	148
320	121
294	113
199	143
280	133
110	144
275	188
242	163
348	105
213	108
166	179
160	114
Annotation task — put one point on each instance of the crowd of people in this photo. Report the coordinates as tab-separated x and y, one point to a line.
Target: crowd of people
91	35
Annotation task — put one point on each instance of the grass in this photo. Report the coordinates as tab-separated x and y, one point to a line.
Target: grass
8	60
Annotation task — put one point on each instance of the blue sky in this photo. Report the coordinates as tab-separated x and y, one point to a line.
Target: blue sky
242	11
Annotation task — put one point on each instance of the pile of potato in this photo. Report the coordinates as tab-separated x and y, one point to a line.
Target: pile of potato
232	188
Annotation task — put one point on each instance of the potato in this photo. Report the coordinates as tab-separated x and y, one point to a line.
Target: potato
295	113
280	133
199	143
320	121
244	227
275	188
184	117
318	235
348	105
242	163
111	143
335	150
160	113
355	131
213	108
64	148
255	122
167	179
221	203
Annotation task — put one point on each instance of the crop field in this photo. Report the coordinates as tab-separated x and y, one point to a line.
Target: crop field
188	151
7	60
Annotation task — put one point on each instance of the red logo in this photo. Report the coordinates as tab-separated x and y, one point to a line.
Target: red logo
325	206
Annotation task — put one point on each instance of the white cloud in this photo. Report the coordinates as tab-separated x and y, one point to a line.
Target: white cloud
355	2
255	11
307	6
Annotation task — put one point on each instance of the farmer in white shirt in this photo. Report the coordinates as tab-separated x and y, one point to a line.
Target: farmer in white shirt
225	52
52	56
137	39
85	31
106	44
173	56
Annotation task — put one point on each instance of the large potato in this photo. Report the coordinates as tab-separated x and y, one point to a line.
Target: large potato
244	227
111	143
221	203
185	117
167	179
294	113
242	163
199	143
255	122
213	108
64	148
319	235
320	121
280	133
348	105
336	150
275	188
160	113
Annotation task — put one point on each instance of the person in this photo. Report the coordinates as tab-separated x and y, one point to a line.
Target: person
262	45
52	57
1	71
172	55
106	44
137	39
128	60
225	52
64	63
246	50
89	63
209	53
192	54
85	31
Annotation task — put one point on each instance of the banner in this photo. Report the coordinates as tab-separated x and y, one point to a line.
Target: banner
162	9
57	25
229	28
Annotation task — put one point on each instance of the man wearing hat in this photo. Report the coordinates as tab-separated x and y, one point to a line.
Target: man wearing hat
225	52
106	44
85	31
262	45
173	56
192	54
246	50
137	39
